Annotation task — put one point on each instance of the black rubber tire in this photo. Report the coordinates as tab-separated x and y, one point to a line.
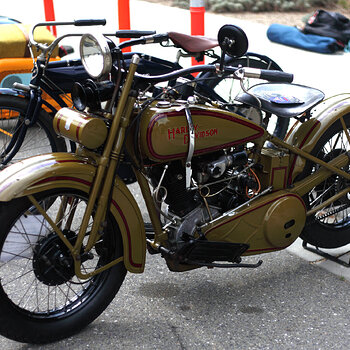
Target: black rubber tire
332	231
254	61
63	312
40	137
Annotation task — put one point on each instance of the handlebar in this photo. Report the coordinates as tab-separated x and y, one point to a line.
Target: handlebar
78	23
277	76
265	74
89	22
149	39
155	79
237	73
145	34
241	72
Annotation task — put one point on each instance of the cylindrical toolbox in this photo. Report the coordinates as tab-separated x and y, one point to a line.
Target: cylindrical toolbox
89	131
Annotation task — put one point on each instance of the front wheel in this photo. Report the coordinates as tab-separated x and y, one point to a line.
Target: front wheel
40	137
41	298
329	227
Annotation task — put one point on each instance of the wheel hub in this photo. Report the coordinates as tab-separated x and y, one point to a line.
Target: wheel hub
52	261
337	183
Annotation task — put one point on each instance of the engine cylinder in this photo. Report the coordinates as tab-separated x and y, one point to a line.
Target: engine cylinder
180	200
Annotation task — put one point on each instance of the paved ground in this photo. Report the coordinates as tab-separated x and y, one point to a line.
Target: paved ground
287	303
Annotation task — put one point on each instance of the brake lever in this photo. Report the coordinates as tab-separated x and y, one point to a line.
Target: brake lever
240	75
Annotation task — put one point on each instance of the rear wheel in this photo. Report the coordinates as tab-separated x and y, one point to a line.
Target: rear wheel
40	138
330	226
227	89
41	298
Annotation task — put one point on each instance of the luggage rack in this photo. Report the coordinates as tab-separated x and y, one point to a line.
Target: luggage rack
330	257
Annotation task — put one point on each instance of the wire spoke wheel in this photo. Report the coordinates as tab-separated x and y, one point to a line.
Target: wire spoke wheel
39	287
40	137
330	226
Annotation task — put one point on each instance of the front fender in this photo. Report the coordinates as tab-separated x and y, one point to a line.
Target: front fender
65	170
306	135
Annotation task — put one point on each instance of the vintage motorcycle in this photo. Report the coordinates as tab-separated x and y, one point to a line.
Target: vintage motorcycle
71	228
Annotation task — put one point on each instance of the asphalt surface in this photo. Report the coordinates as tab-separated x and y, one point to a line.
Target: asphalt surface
292	301
285	304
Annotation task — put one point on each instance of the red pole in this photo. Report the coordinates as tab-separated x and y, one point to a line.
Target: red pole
124	18
50	15
197	10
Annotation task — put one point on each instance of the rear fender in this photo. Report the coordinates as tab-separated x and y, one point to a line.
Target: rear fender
65	170
306	135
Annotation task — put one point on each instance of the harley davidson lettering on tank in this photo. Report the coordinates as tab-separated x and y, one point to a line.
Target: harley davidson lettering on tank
164	132
172	133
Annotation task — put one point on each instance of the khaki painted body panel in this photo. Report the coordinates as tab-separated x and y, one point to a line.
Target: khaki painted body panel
164	131
65	170
305	136
274	168
80	127
270	223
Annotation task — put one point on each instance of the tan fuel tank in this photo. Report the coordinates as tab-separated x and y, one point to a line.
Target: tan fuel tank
164	131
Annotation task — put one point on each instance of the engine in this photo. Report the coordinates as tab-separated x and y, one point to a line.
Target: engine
220	181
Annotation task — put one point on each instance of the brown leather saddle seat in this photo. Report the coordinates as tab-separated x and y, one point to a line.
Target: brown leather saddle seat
192	43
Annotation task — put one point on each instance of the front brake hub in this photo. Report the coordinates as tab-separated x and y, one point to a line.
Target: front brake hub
52	261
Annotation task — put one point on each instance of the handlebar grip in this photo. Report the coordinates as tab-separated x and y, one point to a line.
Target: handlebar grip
150	39
276	75
89	22
158	38
132	34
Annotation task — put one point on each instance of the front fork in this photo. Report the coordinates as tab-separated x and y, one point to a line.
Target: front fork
99	196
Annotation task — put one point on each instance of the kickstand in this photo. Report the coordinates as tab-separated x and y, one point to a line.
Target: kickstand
326	255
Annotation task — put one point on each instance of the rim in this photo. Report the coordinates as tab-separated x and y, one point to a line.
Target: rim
50	290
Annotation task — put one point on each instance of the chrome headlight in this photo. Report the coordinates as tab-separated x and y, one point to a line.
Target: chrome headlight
95	55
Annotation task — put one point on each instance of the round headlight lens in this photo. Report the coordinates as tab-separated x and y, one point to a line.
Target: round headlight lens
95	55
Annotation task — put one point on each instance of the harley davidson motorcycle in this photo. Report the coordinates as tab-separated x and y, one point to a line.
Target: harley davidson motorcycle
214	191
